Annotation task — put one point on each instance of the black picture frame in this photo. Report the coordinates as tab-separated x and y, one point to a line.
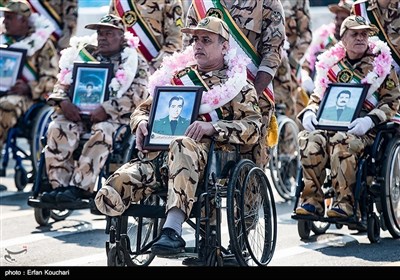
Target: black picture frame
91	76
12	61
352	96
160	131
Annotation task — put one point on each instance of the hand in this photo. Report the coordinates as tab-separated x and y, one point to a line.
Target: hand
360	126
309	120
198	129
70	111
141	133
306	82
20	88
98	115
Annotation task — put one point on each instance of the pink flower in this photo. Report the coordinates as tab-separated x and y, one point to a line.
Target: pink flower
63	73
133	41
121	77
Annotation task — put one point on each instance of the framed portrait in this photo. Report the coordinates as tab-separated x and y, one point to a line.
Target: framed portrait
174	108
340	105
12	62
90	85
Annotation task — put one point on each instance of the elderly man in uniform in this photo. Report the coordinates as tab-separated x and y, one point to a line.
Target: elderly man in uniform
239	122
75	180
31	32
353	60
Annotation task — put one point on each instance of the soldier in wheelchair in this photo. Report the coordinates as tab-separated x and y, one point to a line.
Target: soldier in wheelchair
230	116
70	180
354	60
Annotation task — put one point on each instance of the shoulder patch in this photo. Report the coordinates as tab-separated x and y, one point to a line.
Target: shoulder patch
390	84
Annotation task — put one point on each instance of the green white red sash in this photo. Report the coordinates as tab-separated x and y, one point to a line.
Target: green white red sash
190	77
361	9
237	40
149	46
45	9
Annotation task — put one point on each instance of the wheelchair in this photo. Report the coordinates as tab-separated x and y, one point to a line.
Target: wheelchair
27	127
377	191
232	184
284	164
44	211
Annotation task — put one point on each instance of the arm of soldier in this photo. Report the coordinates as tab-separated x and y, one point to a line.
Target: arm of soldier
173	22
245	128
139	122
47	65
70	19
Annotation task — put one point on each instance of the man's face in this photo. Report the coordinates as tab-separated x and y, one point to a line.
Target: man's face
89	89
343	99
13	24
208	51
339	18
109	40
175	109
355	42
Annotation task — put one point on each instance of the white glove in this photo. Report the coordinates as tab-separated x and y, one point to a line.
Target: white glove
309	120
306	82
360	126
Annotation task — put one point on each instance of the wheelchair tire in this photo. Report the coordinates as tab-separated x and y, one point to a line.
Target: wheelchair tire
42	216
115	256
391	189
60	215
239	233
20	178
319	227
283	166
374	228
304	229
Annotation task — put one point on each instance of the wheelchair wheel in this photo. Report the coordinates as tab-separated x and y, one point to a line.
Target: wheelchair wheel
20	178
319	227
115	256
390	192
304	228
285	161
42	216
374	228
60	215
251	215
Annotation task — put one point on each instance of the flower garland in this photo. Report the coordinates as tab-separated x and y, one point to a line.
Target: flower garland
123	76
381	65
219	94
43	28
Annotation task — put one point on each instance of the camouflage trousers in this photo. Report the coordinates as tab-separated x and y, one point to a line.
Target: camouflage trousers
186	160
338	151
12	107
63	137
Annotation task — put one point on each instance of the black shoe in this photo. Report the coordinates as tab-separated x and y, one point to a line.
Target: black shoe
50	197
197	261
169	243
73	194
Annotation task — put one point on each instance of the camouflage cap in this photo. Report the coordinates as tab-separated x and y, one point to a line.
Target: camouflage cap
356	23
109	20
210	24
342	6
20	7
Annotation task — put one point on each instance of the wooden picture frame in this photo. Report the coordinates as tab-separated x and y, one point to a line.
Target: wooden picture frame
93	78
340	105
12	61
169	102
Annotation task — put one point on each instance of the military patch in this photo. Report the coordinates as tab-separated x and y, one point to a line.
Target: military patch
129	18
256	108
345	76
142	73
282	70
276	17
179	22
214	12
390	84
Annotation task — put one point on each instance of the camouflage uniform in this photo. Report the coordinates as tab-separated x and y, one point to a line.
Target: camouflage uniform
64	135
164	20
320	149
298	35
264	28
186	159
43	63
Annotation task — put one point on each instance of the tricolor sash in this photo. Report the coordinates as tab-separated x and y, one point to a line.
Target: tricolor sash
149	46
191	77
45	9
237	40
361	9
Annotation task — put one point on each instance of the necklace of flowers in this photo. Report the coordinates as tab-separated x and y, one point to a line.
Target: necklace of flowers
214	98
125	73
381	65
34	42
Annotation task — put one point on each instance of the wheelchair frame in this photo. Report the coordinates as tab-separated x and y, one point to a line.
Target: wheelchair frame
249	243
379	200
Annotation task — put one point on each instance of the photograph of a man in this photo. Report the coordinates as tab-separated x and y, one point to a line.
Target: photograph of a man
90	97
341	111
173	123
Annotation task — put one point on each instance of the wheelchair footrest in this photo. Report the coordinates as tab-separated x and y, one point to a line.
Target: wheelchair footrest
147	211
345	221
79	204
